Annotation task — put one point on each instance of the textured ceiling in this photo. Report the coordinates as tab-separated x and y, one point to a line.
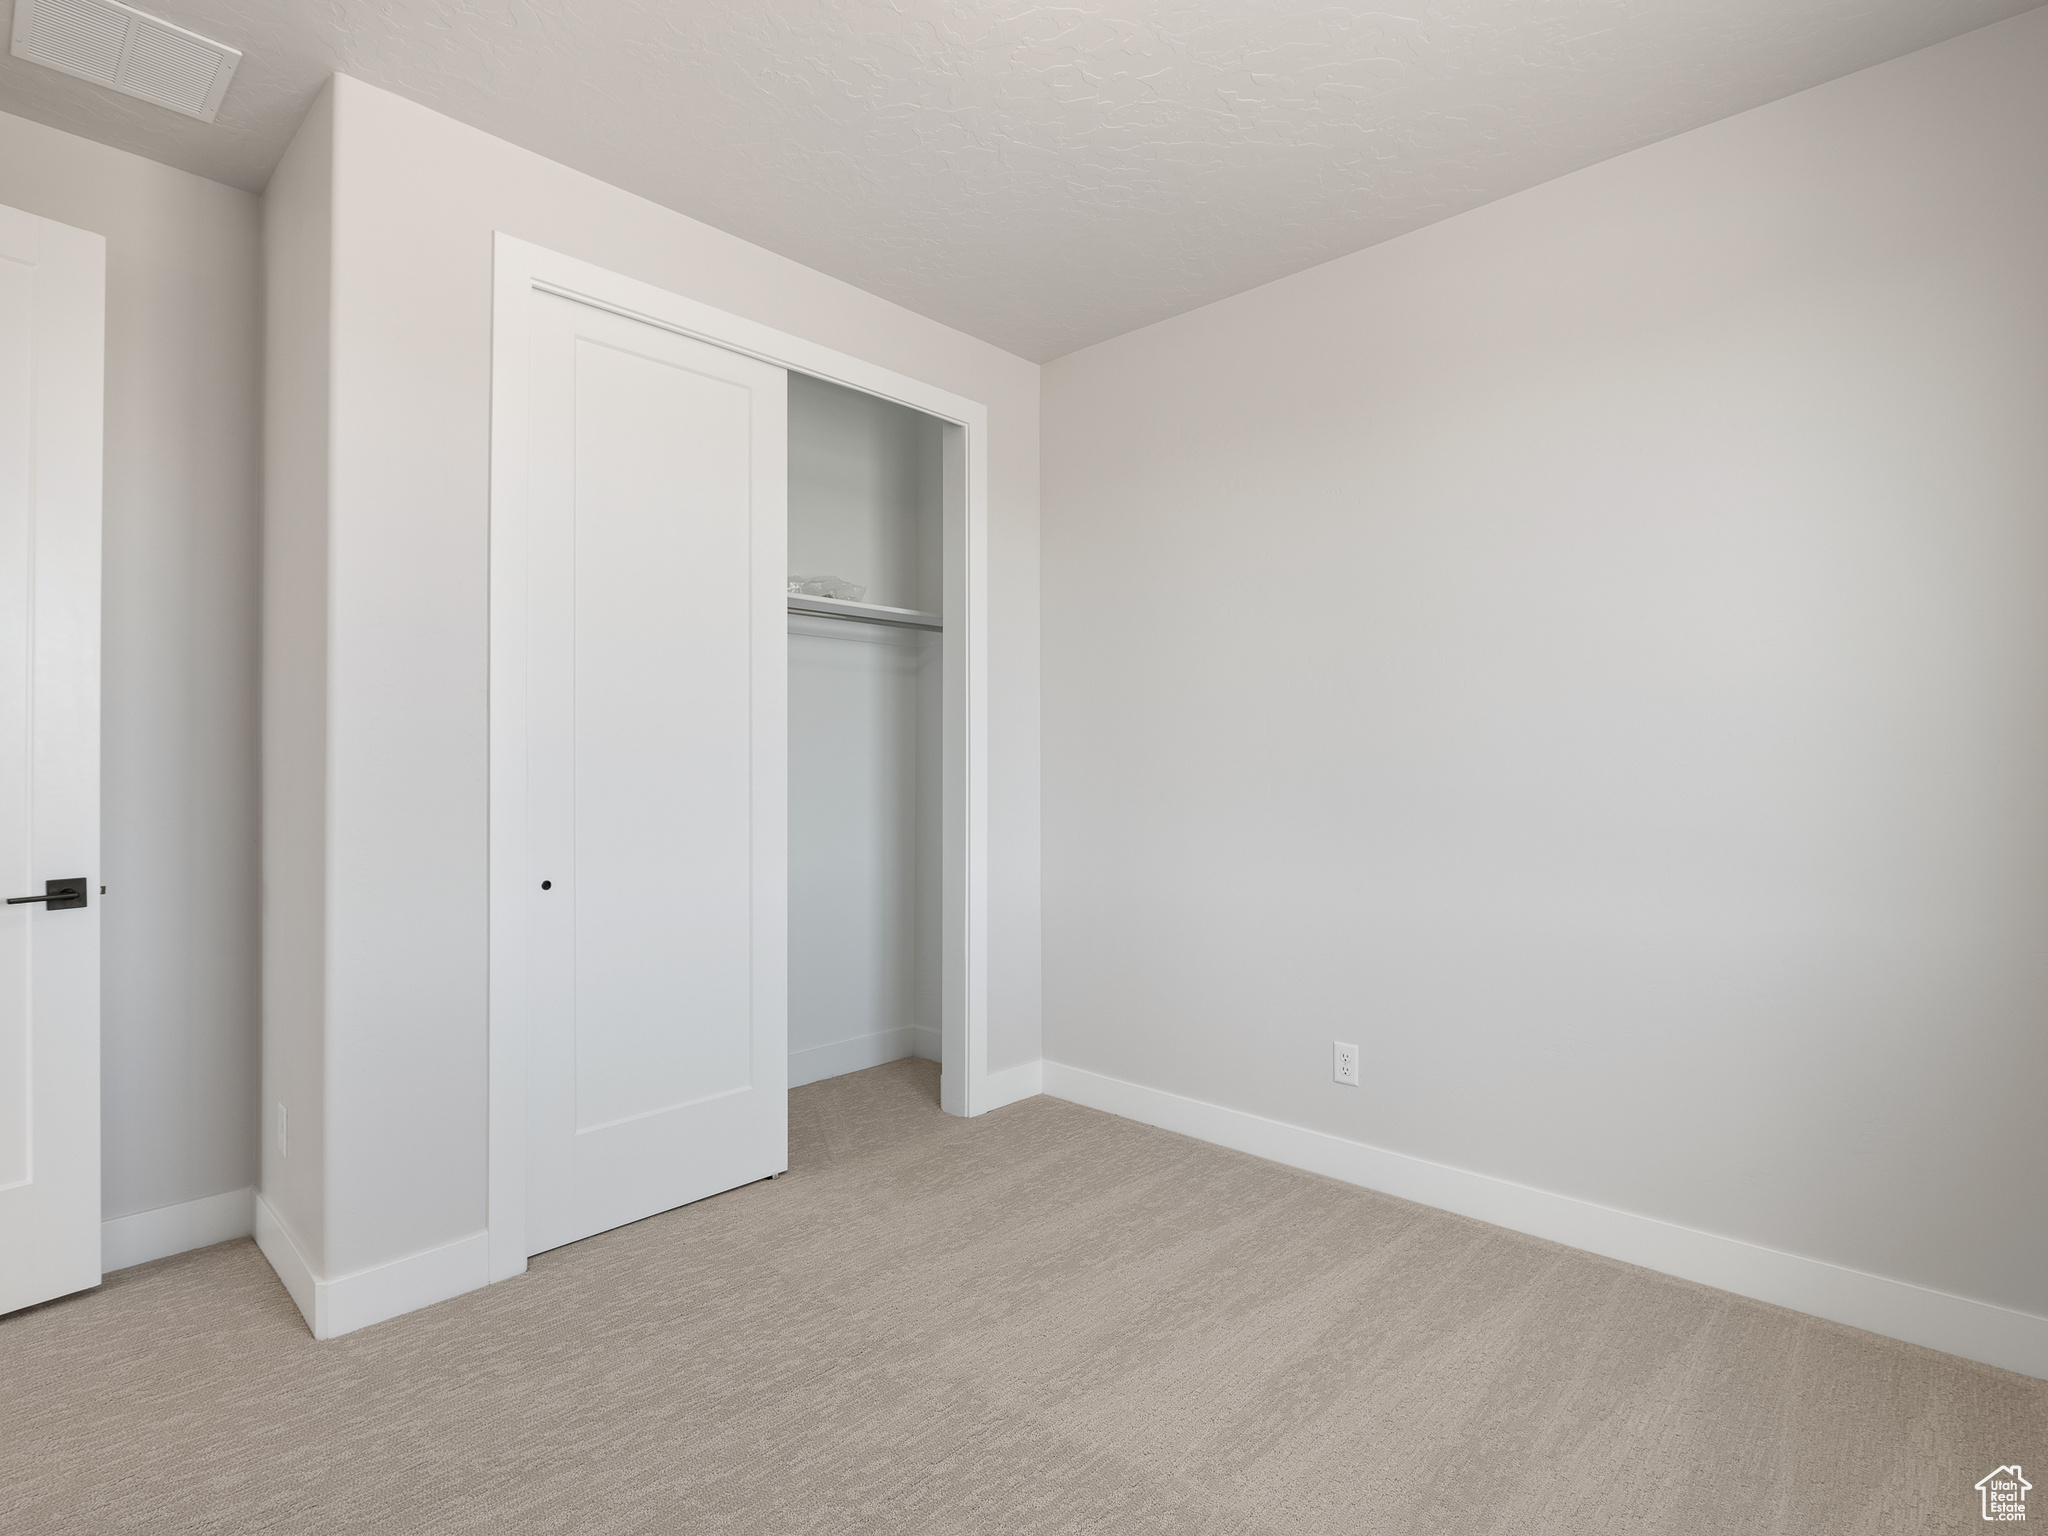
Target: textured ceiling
1041	176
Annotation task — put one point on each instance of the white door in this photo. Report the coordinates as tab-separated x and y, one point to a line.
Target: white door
656	834
52	324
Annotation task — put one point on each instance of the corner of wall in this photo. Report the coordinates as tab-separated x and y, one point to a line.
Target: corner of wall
298	271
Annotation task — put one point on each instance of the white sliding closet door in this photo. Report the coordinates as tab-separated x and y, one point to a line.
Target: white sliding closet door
656	674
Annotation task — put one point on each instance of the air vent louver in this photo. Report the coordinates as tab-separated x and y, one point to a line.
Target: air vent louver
120	47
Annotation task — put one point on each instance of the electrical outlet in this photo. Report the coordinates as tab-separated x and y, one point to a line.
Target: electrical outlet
1346	1063
284	1146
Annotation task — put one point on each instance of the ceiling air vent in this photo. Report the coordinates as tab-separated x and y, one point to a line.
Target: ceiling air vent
118	46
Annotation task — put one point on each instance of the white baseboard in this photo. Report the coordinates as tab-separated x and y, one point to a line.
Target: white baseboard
1976	1330
131	1240
275	1241
818	1062
1008	1086
348	1302
926	1045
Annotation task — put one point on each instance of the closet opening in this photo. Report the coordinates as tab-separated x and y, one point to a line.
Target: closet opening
738	843
867	698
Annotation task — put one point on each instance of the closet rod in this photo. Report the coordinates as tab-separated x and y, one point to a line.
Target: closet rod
862	613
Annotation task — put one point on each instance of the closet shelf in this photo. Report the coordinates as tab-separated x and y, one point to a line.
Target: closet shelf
865	613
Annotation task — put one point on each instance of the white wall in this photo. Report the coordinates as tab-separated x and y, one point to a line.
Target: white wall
1592	653
298	242
416	200
178	806
865	498
864	788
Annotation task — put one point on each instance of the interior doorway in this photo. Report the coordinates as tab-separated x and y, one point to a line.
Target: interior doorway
52	350
866	705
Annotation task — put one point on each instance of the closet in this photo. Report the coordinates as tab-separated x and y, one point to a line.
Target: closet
734	838
865	697
672	484
732	793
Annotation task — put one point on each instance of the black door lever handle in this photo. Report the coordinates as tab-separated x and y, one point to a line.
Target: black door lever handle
60	894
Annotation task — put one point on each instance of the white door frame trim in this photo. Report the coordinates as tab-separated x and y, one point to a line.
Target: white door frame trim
520	268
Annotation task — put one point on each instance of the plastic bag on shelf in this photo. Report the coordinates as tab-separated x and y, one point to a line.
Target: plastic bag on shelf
827	586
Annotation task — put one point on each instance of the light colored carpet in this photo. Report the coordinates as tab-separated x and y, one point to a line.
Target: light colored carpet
1046	1320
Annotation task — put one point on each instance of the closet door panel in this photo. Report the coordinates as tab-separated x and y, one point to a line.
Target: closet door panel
662	770
656	669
